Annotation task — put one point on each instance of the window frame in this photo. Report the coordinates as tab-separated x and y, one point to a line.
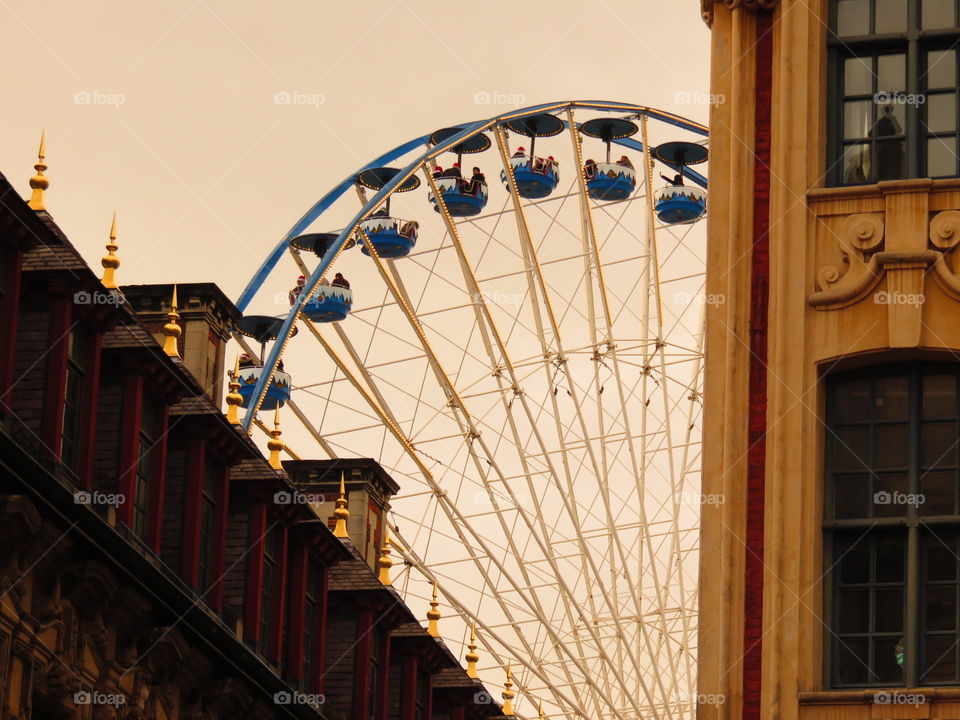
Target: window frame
915	43
916	528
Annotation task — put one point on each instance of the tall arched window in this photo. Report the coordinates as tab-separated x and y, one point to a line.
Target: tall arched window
892	526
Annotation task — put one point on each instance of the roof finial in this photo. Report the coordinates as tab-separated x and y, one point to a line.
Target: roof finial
341	513
39	182
433	615
471	656
234	398
275	444
171	330
384	562
508	694
540	709
110	261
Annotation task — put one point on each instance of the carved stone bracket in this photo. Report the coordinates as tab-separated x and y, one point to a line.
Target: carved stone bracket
706	6
865	262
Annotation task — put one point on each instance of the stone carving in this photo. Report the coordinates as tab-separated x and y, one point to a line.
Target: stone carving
706	6
860	237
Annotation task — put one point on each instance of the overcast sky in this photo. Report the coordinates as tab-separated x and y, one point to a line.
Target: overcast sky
211	126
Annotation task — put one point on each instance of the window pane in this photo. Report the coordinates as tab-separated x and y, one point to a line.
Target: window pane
886	667
939	492
857	119
852	496
853	613
939	444
853	17
941	559
942	112
891	16
854	401
941	69
891	73
941	607
857	76
853	555
852	448
856	164
890	560
936	14
939	397
891	398
889	495
851	661
941	157
940	658
888	610
890	447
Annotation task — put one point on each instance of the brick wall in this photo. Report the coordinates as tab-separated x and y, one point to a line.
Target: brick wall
30	365
394	688
338	673
106	452
235	578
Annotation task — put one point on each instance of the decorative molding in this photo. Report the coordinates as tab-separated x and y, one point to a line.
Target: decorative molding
859	238
706	7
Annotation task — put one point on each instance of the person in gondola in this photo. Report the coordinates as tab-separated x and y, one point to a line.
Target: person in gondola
381	213
590	169
245	361
520	153
624	161
297	289
550	163
437	172
340	281
408	228
479	176
453	171
677	180
280	365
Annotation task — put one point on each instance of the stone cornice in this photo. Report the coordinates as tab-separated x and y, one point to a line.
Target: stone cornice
706	6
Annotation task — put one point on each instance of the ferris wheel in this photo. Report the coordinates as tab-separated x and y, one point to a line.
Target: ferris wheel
507	314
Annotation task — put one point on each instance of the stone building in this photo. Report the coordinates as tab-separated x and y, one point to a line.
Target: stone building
830	573
150	565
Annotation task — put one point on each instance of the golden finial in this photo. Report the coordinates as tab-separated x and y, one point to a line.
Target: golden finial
234	398
110	261
540	710
384	562
341	513
275	444
471	656
508	694
39	182
171	330
433	615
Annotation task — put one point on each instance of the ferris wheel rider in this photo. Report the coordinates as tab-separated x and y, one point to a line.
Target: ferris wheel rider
297	289
246	361
340	281
677	180
520	153
590	169
437	172
624	161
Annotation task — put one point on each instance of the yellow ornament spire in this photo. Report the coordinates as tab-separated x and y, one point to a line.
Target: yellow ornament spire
433	615
171	330
39	182
234	398
508	694
540	710
110	261
341	513
384	562
275	444
471	656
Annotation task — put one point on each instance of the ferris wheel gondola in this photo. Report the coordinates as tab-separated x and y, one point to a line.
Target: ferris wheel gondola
465	195
263	329
678	203
536	177
391	237
610	180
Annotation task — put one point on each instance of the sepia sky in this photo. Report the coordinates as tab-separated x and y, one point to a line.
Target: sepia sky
211	126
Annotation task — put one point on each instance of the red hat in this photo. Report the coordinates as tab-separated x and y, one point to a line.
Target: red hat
302	277
456	164
521	149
